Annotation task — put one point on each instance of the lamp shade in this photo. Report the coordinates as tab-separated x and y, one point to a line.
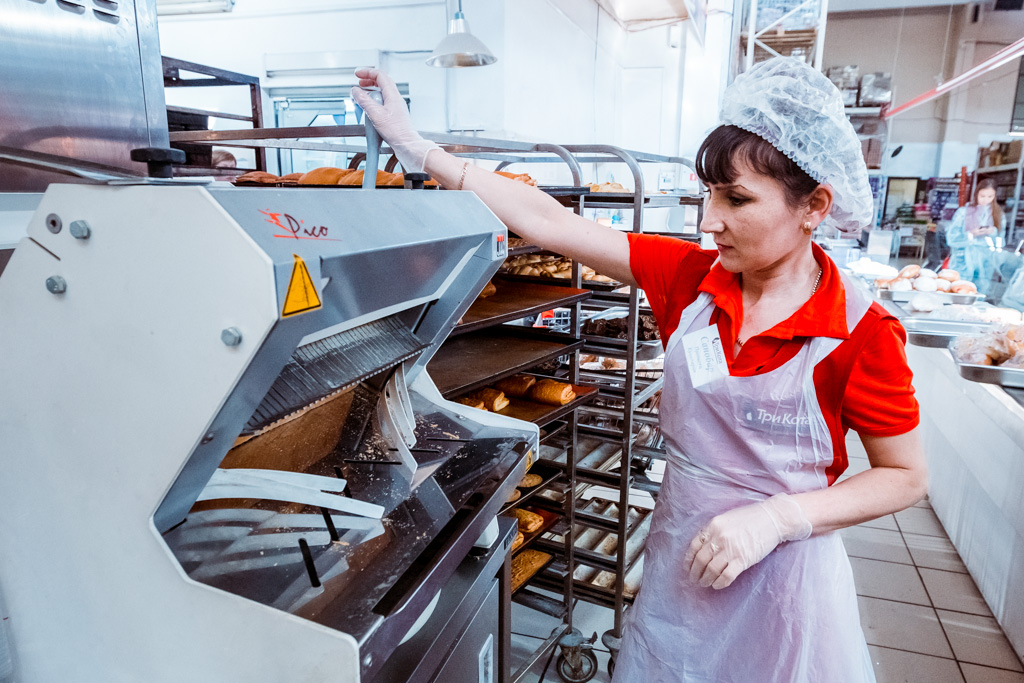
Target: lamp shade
460	47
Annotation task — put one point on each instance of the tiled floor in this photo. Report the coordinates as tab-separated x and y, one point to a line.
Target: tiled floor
923	617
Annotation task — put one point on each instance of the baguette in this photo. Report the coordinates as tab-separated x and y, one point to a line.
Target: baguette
516	386
551	392
525	565
529	522
493	399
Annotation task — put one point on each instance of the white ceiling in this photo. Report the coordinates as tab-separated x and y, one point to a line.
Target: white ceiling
872	5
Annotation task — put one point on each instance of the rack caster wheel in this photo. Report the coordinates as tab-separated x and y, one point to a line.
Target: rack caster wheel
611	667
586	670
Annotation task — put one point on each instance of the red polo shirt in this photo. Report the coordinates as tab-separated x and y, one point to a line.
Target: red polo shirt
864	385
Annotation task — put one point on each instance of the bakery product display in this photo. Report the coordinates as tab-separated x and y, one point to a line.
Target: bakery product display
998	346
516	386
529	522
552	392
530	480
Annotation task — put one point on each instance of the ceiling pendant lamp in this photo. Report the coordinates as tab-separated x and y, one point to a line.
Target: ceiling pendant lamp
460	47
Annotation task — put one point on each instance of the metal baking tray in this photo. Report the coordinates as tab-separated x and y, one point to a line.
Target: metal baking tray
992	374
945	297
939	333
595	285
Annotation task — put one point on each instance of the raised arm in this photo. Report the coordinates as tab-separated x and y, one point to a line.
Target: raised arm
523	209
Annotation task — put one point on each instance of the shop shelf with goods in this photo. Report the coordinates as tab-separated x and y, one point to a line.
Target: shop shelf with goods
619	436
779	28
1003	162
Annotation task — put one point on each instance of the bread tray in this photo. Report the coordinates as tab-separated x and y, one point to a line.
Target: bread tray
939	333
992	374
945	297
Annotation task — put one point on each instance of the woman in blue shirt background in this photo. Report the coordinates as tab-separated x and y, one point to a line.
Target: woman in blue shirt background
975	236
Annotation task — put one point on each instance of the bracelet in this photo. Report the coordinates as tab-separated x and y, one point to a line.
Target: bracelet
465	167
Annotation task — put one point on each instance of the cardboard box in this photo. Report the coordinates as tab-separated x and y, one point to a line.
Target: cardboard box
1013	151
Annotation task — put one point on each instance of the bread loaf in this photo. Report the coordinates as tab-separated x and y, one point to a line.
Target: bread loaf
525	565
551	392
529	522
256	178
516	494
493	399
471	402
516	386
530	480
488	290
518	543
325	175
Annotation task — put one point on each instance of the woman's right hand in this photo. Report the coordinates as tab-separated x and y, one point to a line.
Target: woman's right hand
392	119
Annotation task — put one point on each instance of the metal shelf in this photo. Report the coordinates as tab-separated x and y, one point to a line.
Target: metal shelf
474	360
514	301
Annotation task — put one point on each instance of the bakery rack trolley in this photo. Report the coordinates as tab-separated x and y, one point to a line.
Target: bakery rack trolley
629	415
483	330
174	77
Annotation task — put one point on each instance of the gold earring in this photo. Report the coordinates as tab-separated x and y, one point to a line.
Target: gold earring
807	228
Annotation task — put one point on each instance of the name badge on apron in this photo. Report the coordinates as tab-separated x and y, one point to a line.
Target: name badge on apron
705	356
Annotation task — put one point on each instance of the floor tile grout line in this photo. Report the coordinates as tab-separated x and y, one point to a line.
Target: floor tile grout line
948	659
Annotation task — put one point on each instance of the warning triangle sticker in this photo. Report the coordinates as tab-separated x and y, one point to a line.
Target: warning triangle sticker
302	295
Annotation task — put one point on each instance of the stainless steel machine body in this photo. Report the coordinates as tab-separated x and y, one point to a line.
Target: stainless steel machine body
80	79
161	331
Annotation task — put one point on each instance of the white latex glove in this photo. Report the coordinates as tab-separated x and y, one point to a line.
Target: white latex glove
738	539
392	119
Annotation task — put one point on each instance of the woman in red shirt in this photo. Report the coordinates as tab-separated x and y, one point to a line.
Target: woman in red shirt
771	355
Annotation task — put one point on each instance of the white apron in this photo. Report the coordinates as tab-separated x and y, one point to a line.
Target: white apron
791	618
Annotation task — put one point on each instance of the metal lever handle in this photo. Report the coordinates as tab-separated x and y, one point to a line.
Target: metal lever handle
372	143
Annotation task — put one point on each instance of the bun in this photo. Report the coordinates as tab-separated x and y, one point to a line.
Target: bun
925	272
356	178
925	284
471	402
552	393
963	287
291	178
493	399
256	178
325	175
910	272
901	284
942	285
516	386
949	275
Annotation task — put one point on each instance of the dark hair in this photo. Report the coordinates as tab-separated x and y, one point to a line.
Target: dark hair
997	211
728	146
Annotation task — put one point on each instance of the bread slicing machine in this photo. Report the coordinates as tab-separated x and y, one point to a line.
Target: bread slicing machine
223	459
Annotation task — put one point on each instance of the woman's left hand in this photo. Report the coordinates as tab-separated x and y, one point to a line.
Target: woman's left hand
738	539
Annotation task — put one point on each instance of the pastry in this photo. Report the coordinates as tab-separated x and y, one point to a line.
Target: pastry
519	177
325	175
942	285
551	392
471	402
356	178
530	480
256	178
949	274
516	494
925	284
396	180
493	399
926	272
518	543
901	284
529	522
963	287
516	386
910	271
488	290
525	565
608	187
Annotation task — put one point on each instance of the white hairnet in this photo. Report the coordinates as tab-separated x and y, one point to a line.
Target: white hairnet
800	112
